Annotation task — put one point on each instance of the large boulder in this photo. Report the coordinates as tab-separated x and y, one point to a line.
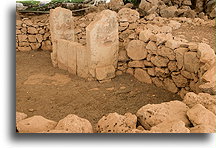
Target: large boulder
74	124
177	126
199	115
35	124
153	114
208	101
115	123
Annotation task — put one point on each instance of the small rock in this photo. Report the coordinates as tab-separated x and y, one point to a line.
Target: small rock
142	76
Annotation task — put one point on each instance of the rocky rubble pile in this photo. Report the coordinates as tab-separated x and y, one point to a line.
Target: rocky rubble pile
196	114
32	34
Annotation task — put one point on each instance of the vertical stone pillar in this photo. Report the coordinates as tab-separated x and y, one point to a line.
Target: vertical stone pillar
103	45
61	27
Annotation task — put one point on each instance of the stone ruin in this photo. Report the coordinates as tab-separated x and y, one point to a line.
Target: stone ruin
112	43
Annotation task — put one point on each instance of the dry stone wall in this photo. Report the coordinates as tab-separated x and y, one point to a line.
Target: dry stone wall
33	33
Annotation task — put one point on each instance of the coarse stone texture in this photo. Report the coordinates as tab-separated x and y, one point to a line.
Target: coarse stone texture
152	47
199	115
153	114
172	66
103	42
166	52
180	56
32	30
179	80
170	85
136	50
142	75
22	38
61	27
105	72
191	62
173	44
128	15
174	24
207	100
20	116
115	123
145	35
123	56
35	124
161	38
169	12
177	126
46	45
136	64
159	61
148	6
157	82
35	46
74	124
205	53
202	129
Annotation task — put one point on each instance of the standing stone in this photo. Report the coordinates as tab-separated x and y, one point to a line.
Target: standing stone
103	42
61	27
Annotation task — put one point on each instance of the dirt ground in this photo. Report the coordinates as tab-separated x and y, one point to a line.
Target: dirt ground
200	34
44	90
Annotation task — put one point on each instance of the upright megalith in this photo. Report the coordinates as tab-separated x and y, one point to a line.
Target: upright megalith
61	27
103	45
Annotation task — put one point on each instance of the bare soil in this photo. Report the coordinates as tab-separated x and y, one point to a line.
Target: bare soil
44	90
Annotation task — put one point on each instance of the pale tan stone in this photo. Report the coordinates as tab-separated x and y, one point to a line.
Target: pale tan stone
142	76
136	64
74	124
145	35
136	50
159	61
32	30
35	124
22	38
153	114
170	85
26	48
106	72
166	52
202	129
35	46
46	45
128	15
20	116
103	42
191	62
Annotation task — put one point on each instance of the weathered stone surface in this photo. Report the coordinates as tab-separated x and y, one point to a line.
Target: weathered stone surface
35	46
46	45
161	38
39	38
162	72
148	6
104	73
130	71
199	115
102	41
205	53
136	64
20	116
173	44
174	24
115	123
145	35
208	101
169	12
136	50
153	114
180	56
74	124
128	15
172	66
152	47
191	62
142	76
61	27
35	124
151	71
202	129
166	52
32	30
123	56
157	82
159	61
179	80
82	60
170	85
22	38
148	64
115	4
32	38
22	44
177	126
